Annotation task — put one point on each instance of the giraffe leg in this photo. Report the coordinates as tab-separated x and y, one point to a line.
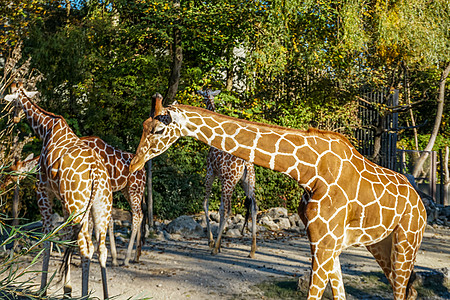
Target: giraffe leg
112	243
325	267
137	254
381	251
101	211
254	212
405	246
86	251
225	210
248	183
208	186
45	208
137	216
337	284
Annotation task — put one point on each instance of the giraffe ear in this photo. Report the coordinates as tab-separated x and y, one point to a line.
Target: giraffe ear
31	94
174	116
11	97
13	87
29	157
215	93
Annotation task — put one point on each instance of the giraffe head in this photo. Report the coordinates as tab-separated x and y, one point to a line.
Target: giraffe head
13	98
160	132
208	96
17	171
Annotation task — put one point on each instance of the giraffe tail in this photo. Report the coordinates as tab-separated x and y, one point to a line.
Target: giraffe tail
247	204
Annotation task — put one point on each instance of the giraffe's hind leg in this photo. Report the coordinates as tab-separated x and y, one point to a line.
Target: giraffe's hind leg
396	258
137	216
208	186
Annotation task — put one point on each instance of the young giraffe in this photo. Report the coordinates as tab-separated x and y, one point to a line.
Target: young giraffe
230	169
74	173
351	201
131	184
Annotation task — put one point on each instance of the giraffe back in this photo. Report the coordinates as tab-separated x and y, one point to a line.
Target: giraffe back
117	162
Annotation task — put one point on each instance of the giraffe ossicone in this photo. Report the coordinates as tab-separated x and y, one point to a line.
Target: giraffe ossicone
349	200
229	169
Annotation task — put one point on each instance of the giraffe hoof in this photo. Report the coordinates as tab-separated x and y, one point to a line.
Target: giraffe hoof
211	244
252	255
115	263
214	251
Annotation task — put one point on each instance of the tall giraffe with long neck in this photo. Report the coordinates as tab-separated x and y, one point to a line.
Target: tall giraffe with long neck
229	169
351	201
132	186
75	174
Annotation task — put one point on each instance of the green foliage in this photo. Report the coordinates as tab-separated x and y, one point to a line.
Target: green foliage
296	64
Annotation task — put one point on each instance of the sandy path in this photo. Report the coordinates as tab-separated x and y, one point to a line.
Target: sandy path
185	269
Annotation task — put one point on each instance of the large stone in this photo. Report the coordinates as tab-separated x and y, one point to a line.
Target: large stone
233	233
214	216
186	226
283	223
277	212
269	223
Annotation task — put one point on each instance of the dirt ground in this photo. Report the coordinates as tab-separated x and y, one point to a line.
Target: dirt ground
185	269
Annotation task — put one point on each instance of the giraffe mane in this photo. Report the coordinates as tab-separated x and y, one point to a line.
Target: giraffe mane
310	132
43	110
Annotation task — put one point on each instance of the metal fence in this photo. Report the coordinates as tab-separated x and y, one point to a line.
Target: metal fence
377	122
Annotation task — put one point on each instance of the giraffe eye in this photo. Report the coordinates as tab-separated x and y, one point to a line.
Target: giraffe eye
159	131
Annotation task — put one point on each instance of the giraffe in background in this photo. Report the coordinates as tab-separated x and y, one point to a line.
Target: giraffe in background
229	169
131	184
74	173
351	201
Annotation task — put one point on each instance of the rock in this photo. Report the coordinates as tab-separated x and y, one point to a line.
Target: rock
186	226
237	219
56	220
283	223
445	211
277	212
233	232
214	216
295	220
269	223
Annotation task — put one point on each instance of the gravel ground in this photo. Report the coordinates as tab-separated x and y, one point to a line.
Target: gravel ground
185	269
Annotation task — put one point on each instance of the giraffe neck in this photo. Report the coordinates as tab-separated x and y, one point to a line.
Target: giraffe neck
293	152
42	122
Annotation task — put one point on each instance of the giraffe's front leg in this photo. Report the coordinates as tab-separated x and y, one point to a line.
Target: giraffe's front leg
325	267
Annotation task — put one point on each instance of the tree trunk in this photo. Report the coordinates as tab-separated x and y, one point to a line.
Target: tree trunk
230	69
440	110
447	177
177	59
149	194
15	206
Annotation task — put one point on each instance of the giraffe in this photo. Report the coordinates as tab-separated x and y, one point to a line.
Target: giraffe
75	174
131	184
17	171
351	200
229	169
